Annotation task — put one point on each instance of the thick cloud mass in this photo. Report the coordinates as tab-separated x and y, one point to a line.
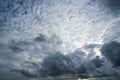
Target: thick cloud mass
56	65
114	6
97	62
59	64
40	38
112	52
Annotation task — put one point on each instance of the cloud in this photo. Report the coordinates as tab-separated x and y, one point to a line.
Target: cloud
25	72
41	38
17	46
105	72
81	66
56	65
92	46
53	65
48	43
32	49
88	67
84	64
112	52
114	5
112	32
97	62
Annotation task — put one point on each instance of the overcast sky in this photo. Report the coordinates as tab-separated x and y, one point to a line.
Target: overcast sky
40	38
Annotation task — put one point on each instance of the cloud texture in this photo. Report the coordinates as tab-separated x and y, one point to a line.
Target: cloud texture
41	38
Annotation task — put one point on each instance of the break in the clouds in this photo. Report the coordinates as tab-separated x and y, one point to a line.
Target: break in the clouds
41	38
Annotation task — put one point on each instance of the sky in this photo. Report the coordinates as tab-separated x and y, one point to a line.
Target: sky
41	38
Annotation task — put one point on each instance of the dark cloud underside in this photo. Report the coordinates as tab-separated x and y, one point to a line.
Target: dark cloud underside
112	52
41	38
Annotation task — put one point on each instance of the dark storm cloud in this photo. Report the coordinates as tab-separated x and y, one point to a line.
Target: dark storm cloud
89	66
56	65
84	64
52	65
85	68
112	52
97	62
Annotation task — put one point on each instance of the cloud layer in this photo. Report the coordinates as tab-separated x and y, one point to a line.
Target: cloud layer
41	38
112	52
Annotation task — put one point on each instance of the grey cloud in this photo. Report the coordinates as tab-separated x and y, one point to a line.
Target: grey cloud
97	62
25	72
52	65
107	71
28	18
89	67
92	46
84	68
18	46
23	50
56	65
41	38
78	56
112	52
19	42
113	6
15	49
84	64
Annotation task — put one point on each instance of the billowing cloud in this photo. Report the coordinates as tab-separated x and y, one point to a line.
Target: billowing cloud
112	52
97	62
57	64
38	36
